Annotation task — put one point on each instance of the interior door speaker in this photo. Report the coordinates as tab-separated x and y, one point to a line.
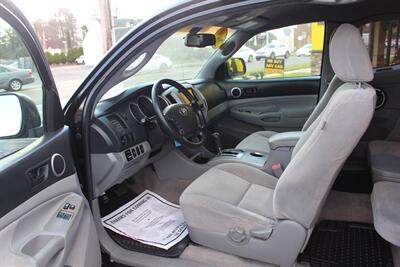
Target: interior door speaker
57	164
380	98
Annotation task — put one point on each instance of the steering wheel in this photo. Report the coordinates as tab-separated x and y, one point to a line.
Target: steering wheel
184	122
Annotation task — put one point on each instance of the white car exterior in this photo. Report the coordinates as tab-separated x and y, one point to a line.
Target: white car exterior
80	60
158	63
273	50
246	53
303	51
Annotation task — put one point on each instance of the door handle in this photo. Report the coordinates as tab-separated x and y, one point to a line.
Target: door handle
271	116
43	248
39	174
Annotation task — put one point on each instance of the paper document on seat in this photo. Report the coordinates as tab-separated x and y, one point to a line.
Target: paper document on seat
149	219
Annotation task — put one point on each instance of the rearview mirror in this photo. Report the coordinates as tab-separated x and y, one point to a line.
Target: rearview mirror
200	40
236	67
19	116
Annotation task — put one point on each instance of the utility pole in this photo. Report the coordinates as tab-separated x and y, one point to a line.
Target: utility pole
106	24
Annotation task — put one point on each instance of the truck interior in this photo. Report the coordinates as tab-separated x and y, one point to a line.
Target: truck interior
273	127
260	161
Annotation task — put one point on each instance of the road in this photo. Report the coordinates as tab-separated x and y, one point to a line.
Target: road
68	78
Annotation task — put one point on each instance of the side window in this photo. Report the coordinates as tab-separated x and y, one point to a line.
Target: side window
293	51
382	41
21	94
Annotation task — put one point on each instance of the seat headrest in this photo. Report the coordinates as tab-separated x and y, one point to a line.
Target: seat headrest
348	55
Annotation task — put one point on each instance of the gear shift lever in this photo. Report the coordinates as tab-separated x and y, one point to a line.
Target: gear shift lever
217	141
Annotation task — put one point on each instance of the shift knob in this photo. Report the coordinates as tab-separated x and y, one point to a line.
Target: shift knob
217	141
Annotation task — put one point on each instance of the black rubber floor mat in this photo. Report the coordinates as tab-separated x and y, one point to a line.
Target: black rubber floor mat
130	244
112	201
334	243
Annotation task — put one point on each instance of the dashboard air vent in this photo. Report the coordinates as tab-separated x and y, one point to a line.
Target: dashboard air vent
117	122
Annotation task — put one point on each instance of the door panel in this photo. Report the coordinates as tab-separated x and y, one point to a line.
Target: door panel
45	219
36	226
385	123
285	112
275	105
39	237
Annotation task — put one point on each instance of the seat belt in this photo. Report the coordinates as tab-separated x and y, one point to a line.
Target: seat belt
277	169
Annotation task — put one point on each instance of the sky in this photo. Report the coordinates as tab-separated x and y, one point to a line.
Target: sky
85	9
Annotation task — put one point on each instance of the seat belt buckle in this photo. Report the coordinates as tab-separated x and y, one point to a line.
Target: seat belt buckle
277	169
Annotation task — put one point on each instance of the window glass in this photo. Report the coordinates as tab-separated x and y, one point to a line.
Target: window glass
293	51
382	41
173	60
21	94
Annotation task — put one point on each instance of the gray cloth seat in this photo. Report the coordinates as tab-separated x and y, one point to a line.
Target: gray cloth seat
259	141
384	159
385	201
241	210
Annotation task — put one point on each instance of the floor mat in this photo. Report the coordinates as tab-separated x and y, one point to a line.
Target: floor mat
116	198
334	243
354	181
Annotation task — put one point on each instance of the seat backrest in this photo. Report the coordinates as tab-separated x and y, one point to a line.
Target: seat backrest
334	84
322	150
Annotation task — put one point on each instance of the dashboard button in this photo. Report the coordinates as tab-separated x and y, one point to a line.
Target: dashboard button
128	155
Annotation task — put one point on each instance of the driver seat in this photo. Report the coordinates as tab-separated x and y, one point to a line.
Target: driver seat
241	210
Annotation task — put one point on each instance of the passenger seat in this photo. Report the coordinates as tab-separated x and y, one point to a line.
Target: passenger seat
384	159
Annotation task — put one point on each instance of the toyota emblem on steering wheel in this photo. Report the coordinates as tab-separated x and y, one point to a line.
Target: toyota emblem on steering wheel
183	111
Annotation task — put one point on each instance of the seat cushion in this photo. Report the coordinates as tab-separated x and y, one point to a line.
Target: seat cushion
257	141
385	200
229	195
229	208
384	159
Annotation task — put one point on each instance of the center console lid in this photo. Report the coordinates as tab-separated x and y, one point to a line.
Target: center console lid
286	139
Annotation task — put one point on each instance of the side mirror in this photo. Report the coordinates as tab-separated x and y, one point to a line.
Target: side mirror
236	67
19	116
200	40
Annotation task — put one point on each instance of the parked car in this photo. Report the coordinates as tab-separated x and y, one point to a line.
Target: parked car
273	50
304	51
246	53
12	79
80	60
159	63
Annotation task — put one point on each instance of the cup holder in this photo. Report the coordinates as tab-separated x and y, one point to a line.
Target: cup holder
256	154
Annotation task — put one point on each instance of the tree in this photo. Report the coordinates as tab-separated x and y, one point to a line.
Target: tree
11	46
84	30
73	54
40	28
67	26
53	36
58	32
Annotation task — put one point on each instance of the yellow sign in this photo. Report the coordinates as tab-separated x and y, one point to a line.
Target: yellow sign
274	66
317	35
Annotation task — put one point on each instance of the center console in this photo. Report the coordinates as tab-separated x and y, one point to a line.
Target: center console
281	147
241	156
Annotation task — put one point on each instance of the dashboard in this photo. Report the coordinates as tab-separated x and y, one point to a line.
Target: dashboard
125	135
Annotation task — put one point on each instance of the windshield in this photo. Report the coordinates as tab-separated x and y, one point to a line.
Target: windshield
172	60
